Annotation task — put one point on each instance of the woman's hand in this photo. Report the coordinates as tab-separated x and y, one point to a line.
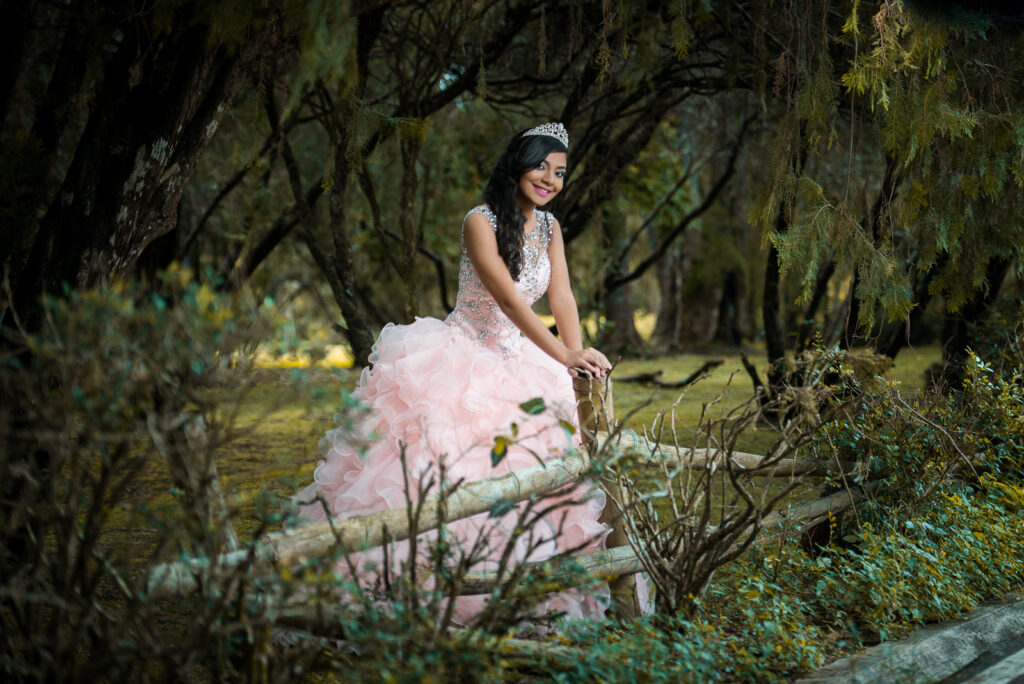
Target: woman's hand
590	360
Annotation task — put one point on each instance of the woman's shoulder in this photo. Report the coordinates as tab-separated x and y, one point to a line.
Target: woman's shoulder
548	220
485	211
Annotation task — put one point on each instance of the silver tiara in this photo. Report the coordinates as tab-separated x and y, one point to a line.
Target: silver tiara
553	130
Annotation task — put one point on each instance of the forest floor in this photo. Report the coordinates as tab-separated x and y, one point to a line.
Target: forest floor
278	421
275	422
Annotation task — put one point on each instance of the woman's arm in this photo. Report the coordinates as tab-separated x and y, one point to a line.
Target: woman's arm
482	247
560	297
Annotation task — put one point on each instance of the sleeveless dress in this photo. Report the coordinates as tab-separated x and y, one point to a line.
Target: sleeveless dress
447	389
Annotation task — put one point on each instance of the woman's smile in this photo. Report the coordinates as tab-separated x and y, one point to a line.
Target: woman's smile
538	185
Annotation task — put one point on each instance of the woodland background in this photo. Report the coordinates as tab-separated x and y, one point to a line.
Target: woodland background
779	173
188	188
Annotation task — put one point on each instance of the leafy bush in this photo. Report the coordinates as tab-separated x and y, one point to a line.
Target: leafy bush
943	530
778	612
996	401
121	392
918	447
114	388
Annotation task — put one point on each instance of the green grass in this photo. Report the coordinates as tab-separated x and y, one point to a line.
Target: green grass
279	426
274	450
729	385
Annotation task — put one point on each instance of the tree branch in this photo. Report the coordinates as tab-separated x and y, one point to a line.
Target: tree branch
613	283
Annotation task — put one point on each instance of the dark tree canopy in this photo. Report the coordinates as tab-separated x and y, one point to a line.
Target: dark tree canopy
864	160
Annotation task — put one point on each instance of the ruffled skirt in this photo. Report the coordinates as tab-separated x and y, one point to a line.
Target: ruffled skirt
434	392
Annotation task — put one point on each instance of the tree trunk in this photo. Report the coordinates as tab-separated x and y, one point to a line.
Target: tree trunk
15	18
137	151
407	222
339	269
774	335
621	337
852	321
731	329
668	330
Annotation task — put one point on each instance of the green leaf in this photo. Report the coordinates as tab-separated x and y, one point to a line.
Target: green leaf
533	406
499	450
567	426
500	508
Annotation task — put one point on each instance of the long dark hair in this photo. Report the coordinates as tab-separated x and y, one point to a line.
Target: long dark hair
523	154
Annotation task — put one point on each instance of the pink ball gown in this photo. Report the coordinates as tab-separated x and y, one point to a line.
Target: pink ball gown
447	389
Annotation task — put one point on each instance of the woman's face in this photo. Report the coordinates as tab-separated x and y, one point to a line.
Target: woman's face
539	185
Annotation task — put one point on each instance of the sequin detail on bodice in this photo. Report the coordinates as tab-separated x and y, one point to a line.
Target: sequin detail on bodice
477	313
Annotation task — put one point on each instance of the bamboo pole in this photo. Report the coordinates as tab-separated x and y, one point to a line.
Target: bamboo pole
596	411
367	531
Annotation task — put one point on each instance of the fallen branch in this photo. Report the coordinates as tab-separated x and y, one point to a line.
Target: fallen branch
604	564
654	377
830	504
754	377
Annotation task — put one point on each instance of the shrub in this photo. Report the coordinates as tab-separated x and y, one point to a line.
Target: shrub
118	386
115	387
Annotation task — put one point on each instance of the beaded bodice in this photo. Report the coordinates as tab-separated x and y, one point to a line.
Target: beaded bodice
477	313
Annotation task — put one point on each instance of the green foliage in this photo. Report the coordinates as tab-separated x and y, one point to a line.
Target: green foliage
782	612
761	642
779	612
997	404
934	93
960	549
114	387
925	547
912	446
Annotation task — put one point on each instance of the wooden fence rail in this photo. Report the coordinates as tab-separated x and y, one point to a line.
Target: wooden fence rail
291	546
623	560
702	459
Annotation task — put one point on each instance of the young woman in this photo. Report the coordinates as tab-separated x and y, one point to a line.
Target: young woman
447	389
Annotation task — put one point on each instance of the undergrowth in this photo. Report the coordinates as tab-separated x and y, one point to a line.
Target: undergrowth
781	612
116	384
942	530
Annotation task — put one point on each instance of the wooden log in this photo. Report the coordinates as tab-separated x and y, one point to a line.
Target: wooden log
702	459
595	404
367	531
830	504
596	410
596	564
314	627
623	561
